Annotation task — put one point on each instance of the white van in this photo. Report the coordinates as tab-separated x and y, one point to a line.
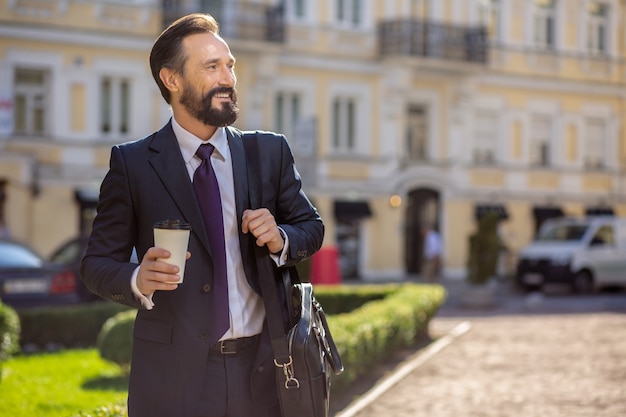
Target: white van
586	253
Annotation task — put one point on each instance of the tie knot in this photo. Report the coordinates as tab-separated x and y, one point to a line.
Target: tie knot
204	151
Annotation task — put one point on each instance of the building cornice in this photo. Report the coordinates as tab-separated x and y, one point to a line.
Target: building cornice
82	37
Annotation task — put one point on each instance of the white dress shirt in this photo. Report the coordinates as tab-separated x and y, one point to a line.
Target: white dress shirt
247	311
432	245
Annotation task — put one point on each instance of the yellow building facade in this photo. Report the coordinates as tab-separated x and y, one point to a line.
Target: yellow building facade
400	112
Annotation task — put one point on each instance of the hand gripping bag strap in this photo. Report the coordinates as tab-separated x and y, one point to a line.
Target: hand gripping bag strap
303	391
268	287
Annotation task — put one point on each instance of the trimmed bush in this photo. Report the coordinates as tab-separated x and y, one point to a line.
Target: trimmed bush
77	326
115	340
373	332
347	298
73	326
484	250
9	333
396	317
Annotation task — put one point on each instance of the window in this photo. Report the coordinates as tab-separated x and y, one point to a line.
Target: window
489	12
597	27
485	137
544	23
30	102
287	113
114	106
417	133
297	9
349	12
595	142
541	137
605	236
344	123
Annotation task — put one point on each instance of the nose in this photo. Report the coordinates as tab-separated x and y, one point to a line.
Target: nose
228	77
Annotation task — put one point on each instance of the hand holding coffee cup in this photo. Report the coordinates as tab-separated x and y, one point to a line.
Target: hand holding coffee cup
173	235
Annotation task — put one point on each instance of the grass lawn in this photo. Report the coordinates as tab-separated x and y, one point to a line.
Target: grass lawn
59	384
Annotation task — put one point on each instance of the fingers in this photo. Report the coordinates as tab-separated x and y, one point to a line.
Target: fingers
155	274
246	218
262	225
256	221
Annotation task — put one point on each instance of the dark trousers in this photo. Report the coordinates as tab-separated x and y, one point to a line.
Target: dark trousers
226	391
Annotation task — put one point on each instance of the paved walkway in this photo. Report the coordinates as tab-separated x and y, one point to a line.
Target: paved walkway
529	357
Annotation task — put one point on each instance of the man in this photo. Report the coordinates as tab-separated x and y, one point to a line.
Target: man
431	259
177	370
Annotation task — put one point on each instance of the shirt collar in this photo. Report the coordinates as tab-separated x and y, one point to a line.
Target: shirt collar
189	143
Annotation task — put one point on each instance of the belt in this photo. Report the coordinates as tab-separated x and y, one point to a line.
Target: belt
234	346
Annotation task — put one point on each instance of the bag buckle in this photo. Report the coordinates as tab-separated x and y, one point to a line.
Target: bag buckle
290	380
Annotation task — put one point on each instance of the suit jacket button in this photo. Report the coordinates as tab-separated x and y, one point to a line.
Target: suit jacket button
204	334
206	288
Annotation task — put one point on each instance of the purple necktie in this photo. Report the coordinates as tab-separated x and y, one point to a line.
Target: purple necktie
208	195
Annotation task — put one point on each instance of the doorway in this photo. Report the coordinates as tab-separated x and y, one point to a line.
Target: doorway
423	207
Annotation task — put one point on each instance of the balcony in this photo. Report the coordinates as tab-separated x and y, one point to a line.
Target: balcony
415	38
238	19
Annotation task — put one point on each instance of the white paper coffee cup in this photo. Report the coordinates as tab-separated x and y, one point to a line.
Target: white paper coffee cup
173	235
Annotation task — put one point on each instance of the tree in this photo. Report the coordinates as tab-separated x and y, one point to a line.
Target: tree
484	250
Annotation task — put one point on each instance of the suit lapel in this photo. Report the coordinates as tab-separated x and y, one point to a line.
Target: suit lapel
169	165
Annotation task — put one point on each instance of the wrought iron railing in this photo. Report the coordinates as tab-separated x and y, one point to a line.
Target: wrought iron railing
435	40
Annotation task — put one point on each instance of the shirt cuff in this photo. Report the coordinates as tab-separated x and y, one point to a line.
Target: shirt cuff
146	300
280	259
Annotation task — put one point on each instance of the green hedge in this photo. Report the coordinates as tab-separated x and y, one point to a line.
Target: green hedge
9	333
374	331
115	340
77	326
73	326
346	298
396	317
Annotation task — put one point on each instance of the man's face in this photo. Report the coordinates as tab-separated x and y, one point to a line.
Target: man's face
208	92
200	107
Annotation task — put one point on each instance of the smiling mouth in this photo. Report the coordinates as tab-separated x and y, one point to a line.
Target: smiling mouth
222	96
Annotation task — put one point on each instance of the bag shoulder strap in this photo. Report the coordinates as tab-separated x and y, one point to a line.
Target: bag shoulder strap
264	268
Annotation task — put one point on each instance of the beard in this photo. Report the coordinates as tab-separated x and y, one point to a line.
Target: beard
201	108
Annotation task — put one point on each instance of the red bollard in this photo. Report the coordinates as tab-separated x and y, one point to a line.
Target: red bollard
325	266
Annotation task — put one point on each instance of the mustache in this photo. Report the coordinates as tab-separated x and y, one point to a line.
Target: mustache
219	90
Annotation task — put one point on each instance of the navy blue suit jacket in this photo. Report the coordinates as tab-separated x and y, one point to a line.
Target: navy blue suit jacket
148	182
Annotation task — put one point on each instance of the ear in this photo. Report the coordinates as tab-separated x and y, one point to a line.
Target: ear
170	79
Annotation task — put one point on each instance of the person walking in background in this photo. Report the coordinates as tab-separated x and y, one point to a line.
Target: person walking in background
189	359
432	253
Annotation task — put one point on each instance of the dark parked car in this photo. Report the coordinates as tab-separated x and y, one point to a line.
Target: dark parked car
27	279
69	255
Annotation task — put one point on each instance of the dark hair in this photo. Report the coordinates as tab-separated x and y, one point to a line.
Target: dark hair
168	52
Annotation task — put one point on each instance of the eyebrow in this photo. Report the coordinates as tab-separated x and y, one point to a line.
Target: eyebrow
216	60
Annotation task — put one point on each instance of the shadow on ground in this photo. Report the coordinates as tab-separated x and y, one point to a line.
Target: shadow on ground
107	383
